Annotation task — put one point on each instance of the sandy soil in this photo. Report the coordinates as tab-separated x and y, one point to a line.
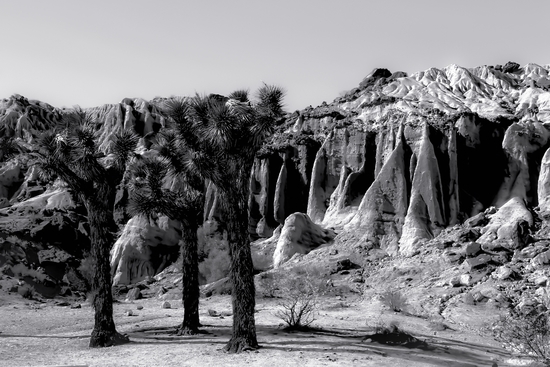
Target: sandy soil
44	334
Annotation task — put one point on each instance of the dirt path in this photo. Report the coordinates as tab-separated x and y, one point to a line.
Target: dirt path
47	335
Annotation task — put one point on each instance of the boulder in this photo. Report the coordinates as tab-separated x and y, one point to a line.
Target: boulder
299	235
134	294
509	226
144	249
263	249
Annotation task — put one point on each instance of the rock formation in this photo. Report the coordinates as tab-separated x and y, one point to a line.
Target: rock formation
299	235
144	249
389	165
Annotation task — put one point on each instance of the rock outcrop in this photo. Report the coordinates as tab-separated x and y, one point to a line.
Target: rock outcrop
299	235
144	249
404	157
388	165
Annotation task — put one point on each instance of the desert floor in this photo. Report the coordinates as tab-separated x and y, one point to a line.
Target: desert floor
46	334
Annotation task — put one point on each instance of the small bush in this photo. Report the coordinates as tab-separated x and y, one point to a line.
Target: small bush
300	291
527	334
87	269
26	291
268	284
213	248
394	300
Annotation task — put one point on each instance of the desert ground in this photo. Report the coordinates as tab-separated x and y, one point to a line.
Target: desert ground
53	333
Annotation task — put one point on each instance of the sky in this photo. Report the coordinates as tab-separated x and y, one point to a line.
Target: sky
96	52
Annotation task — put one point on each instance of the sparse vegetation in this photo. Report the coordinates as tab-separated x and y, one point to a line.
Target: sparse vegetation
87	268
300	291
213	252
526	334
394	300
268	284
26	291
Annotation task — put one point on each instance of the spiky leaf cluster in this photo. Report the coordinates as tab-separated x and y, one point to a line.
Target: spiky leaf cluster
71	154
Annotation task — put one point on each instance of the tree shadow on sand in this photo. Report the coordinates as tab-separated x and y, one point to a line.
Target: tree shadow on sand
419	348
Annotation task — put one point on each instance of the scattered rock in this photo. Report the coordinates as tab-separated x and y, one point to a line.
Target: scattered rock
478	296
476	262
502	273
541	281
345	265
541	259
76	305
471	248
465	279
468	299
129	313
139	307
477	220
213	313
166	304
134	294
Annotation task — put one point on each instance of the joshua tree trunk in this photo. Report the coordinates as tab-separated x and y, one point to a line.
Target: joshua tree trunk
101	225
241	274
190	271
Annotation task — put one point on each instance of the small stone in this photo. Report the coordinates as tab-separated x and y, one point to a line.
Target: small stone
491	210
502	273
333	252
541	281
468	299
129	313
471	248
166	304
454	282
476	262
466	279
477	220
541	259
478	296
134	294
213	313
76	305
139	307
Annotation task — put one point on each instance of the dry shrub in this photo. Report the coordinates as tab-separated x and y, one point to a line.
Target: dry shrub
526	334
213	251
299	296
87	270
268	284
394	300
26	291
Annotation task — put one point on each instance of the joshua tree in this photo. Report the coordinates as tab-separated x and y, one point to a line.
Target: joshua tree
73	156
222	136
183	201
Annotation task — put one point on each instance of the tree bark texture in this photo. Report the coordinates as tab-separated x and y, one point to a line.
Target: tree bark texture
190	281
102	224
241	272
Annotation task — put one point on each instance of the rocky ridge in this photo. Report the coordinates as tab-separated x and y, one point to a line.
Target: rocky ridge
388	168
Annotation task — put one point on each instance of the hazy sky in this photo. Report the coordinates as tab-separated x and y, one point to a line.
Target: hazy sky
95	52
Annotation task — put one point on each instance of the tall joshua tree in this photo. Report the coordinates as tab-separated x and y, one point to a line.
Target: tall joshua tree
72	155
223	134
183	201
